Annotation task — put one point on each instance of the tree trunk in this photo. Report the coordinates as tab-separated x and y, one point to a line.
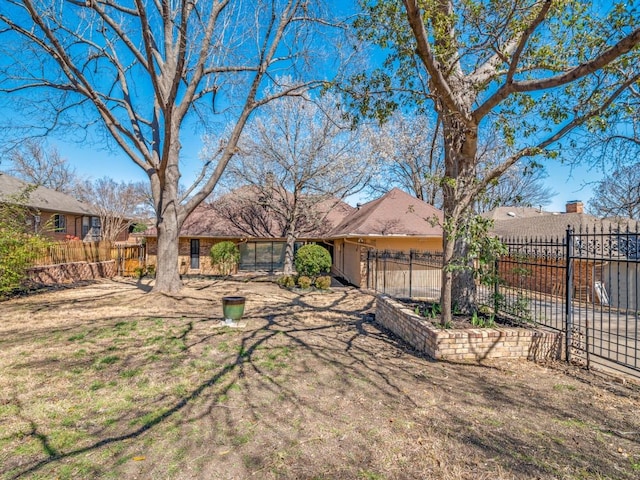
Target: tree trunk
460	141
463	287
458	290
169	222
167	268
446	303
289	254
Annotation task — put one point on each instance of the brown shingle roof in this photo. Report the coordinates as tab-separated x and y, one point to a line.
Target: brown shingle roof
509	213
42	198
395	213
555	225
240	214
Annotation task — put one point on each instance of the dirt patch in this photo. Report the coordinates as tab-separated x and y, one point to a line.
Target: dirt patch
431	312
109	381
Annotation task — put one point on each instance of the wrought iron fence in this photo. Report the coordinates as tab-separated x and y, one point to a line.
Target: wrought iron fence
400	274
604	266
585	284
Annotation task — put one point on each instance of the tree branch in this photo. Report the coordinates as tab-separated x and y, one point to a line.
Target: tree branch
620	48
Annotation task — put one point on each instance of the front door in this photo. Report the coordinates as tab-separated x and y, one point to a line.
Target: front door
195	254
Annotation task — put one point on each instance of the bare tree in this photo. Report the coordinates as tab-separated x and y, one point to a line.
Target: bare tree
143	70
519	186
408	153
618	194
301	160
38	164
117	204
533	71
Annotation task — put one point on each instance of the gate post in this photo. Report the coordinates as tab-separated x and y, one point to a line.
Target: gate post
567	294
384	276
377	272
496	286
410	272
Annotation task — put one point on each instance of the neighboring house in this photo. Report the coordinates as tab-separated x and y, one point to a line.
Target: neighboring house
54	214
396	221
247	221
612	253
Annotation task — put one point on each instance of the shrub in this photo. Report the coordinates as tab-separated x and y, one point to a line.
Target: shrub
19	246
323	283
225	255
312	260
151	270
139	272
287	281
304	281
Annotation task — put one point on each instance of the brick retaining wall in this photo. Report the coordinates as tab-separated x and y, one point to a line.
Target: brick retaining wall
72	272
463	345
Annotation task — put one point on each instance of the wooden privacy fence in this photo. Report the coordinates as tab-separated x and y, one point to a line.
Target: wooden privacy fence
128	257
71	252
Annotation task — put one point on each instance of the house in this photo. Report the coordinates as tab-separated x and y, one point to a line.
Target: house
243	217
54	214
607	270
396	221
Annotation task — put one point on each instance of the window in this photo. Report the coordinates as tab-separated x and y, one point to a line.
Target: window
195	254
59	223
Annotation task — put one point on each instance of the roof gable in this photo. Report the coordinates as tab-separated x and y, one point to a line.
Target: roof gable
395	213
42	198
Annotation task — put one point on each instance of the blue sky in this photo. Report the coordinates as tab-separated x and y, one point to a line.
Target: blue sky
569	182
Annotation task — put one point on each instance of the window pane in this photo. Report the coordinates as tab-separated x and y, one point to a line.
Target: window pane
60	223
247	256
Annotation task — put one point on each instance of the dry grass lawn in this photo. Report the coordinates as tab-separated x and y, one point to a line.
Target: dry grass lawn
109	381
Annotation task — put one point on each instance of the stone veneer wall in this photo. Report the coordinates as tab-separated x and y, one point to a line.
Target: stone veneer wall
72	272
463	345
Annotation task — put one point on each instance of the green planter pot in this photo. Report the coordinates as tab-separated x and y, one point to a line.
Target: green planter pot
232	308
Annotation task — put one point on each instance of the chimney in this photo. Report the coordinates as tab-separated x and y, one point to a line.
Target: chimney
575	206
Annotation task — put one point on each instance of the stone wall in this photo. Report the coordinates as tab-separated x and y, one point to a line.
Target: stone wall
72	272
463	345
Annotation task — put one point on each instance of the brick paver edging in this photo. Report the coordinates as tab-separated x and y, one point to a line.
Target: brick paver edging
470	344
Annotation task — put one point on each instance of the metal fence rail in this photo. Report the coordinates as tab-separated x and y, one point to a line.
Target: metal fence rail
400	274
532	282
585	284
603	327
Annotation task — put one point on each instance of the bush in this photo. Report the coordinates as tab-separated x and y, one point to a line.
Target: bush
139	272
304	281
19	247
151	270
323	283
225	255
287	281
312	260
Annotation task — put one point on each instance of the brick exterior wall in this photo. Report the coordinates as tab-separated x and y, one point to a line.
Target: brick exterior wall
184	255
72	272
465	345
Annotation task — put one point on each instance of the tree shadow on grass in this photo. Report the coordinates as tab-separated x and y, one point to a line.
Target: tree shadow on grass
336	346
